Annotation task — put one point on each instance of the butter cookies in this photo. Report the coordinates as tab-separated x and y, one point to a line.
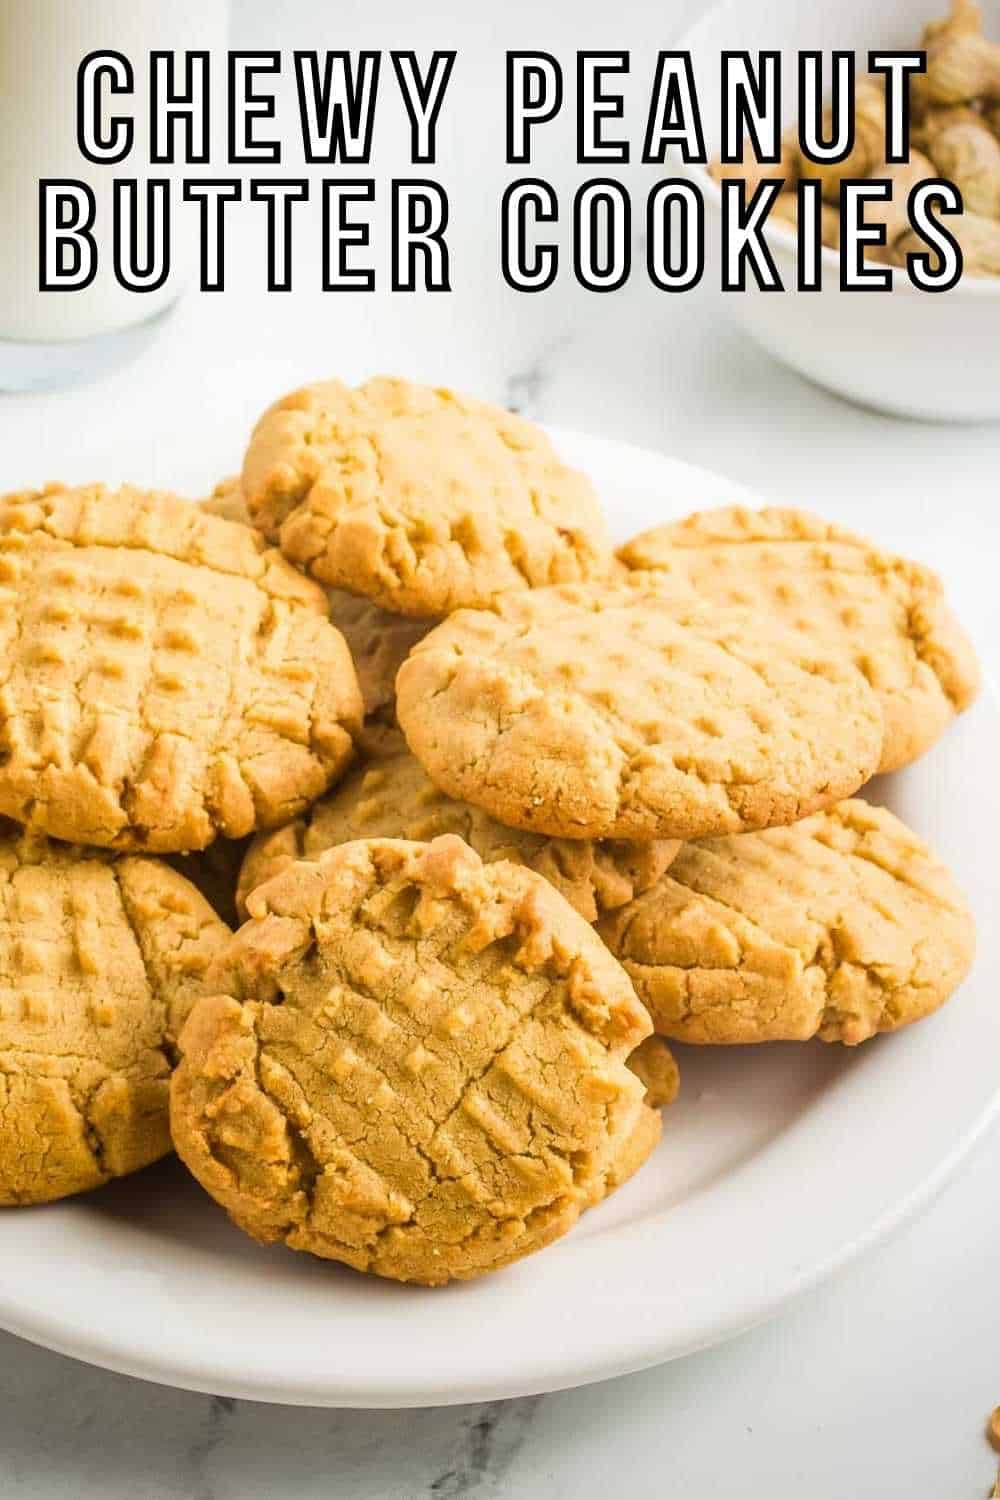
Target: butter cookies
101	962
888	615
840	927
423	500
391	796
379	642
415	1063
615	711
166	676
654	1065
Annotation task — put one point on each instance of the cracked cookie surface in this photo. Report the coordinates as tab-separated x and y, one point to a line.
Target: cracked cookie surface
842	926
415	1064
617	711
391	796
887	614
101	960
423	500
165	675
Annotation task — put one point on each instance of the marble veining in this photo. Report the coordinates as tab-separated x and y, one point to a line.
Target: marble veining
525	388
215	1414
70	1429
492	1436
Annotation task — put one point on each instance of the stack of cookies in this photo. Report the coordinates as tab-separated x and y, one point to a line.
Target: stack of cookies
497	813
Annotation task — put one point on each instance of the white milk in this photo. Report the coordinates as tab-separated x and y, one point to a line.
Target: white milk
42	43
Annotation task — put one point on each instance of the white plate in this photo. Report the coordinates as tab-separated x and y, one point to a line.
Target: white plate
869	349
777	1165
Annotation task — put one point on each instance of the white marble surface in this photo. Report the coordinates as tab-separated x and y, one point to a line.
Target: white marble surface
879	1383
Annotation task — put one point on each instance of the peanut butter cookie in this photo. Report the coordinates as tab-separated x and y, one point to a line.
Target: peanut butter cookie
166	676
840	927
638	1148
655	1066
615	711
379	642
888	615
415	1064
391	796
101	962
421	499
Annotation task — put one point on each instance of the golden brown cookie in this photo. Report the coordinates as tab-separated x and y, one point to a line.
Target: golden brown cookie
379	642
421	499
391	796
166	676
638	1148
842	926
654	1065
888	615
101	962
416	1063
615	711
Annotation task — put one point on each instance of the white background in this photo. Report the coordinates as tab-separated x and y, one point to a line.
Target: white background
881	1382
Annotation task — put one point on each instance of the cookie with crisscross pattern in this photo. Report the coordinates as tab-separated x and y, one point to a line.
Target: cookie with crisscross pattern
887	614
419	498
629	711
416	1063
164	675
842	926
100	962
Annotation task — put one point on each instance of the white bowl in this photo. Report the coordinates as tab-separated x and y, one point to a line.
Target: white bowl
916	354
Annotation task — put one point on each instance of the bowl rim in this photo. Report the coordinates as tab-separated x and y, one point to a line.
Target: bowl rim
784	236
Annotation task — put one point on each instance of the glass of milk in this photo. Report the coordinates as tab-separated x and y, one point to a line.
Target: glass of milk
54	338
